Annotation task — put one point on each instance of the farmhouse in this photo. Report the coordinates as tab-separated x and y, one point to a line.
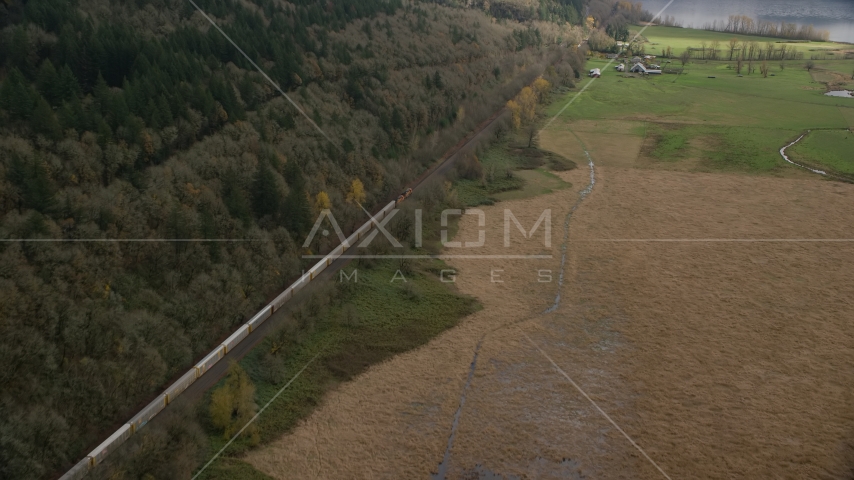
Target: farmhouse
640	68
620	68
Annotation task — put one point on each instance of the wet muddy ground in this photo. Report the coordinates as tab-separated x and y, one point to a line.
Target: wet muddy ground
718	355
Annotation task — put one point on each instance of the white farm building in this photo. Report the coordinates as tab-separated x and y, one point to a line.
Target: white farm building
640	68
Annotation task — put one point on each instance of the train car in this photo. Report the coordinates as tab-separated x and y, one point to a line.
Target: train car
281	299
180	385
377	218
334	254
388	208
209	361
150	411
352	239
363	230
78	471
314	271
107	446
264	314
299	284
235	338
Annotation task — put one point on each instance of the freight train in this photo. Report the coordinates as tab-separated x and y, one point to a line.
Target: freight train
157	405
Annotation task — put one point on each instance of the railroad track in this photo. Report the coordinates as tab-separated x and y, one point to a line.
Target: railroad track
192	384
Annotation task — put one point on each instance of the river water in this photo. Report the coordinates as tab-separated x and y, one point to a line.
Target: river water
836	16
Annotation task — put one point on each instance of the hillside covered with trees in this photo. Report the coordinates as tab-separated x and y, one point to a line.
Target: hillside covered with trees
127	122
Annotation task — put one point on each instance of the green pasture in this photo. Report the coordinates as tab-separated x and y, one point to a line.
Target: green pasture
678	39
511	171
539	181
833	148
728	122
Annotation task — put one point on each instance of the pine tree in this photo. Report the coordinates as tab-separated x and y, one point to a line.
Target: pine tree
235	199
16	96
32	178
73	115
297	211
67	88
105	133
102	94
40	190
119	110
44	121
437	80
20	50
153	116
265	195
48	81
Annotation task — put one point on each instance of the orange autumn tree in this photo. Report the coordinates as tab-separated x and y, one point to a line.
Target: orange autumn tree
528	101
357	192
322	201
516	110
541	88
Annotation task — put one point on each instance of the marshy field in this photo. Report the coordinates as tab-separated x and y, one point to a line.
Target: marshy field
702	326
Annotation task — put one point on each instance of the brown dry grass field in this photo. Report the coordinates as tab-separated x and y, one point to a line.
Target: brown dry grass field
720	359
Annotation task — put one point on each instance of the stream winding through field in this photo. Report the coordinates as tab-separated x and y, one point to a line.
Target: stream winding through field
581	196
443	467
786	158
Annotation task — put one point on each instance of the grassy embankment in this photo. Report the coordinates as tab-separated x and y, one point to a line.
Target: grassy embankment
361	324
725	123
354	325
350	327
512	171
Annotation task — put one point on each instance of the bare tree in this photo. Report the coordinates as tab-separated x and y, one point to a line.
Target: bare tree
685	57
532	135
769	50
733	42
714	53
809	65
703	45
764	69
